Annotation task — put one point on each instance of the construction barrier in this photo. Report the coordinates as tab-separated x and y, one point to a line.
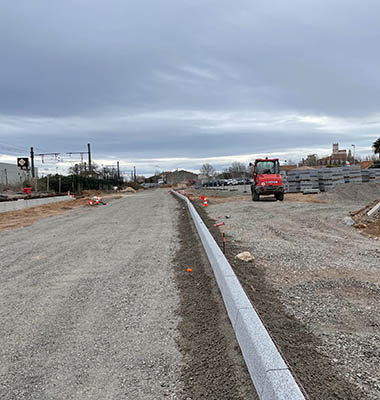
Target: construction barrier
269	372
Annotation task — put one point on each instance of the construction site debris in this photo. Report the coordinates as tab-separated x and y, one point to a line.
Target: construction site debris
219	224
374	209
348	221
245	256
368	225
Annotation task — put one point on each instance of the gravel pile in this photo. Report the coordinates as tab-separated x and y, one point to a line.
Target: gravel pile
326	273
355	192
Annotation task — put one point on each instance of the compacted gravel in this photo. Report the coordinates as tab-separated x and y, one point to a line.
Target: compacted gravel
98	304
325	275
87	304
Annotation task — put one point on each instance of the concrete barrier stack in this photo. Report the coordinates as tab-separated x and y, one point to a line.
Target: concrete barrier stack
329	178
374	174
352	174
285	182
365	175
294	181
309	181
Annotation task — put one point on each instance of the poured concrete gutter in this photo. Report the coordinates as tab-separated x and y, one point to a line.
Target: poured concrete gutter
269	372
6	206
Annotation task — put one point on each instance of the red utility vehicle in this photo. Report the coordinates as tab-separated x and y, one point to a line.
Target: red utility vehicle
267	179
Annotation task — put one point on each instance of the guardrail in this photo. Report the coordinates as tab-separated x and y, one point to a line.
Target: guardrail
269	372
6	206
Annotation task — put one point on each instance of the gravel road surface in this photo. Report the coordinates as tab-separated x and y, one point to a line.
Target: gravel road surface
316	283
96	304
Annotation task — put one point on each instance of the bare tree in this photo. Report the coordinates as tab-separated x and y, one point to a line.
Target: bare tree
208	171
237	169
82	169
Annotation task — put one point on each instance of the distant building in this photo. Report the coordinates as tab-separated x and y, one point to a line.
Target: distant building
173	177
182	176
310	161
11	174
338	157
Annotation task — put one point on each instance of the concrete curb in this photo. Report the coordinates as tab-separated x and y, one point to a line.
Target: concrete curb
21	204
269	372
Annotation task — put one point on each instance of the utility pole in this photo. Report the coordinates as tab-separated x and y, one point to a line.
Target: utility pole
89	158
354	151
134	174
47	183
6	177
32	161
118	170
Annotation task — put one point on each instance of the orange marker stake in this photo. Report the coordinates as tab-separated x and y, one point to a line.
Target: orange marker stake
189	270
220	224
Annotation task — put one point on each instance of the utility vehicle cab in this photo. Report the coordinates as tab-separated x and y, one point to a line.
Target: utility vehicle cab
267	179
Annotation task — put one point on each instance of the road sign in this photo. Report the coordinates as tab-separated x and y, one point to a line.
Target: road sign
23	163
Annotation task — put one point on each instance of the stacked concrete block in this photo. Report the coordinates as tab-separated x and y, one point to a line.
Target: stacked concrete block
329	178
352	174
294	181
309	181
365	175
374	174
285	182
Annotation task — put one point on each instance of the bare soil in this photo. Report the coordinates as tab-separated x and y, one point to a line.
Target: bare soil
22	218
214	367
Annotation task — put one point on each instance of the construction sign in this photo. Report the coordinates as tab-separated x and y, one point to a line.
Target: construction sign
23	163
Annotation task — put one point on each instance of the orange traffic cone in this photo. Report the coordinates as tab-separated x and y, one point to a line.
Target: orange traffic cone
205	204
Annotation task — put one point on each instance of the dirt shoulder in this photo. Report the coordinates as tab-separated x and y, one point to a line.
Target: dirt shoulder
315	282
214	367
22	218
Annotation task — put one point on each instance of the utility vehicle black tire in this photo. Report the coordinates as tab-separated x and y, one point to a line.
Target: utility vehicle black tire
255	196
280	196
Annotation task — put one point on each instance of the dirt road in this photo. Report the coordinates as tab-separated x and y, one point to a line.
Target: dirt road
96	304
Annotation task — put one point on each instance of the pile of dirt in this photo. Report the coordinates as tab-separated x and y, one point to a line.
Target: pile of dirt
26	217
353	192
369	226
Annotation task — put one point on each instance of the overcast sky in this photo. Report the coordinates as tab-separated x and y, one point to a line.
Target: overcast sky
165	84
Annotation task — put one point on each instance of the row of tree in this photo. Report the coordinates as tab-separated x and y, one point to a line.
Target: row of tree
238	169
81	169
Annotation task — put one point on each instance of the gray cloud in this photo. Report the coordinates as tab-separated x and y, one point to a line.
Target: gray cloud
119	73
